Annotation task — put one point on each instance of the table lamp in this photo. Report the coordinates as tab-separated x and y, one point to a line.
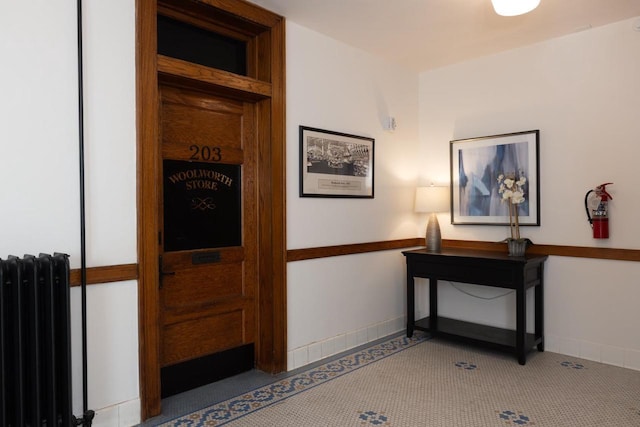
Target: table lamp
432	200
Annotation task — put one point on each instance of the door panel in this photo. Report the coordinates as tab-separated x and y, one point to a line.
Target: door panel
213	283
208	244
181	120
184	340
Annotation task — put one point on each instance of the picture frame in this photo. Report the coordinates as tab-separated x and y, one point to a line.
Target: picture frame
335	164
476	165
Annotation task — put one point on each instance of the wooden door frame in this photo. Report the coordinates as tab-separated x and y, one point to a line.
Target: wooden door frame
266	84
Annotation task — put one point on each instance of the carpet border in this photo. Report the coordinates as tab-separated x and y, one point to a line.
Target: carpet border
264	396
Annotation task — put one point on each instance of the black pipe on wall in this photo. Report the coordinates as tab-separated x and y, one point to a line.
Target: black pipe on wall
88	415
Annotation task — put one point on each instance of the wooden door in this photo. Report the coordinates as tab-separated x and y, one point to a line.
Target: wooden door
264	84
207	237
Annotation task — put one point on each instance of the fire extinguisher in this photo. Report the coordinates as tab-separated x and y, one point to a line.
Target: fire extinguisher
598	201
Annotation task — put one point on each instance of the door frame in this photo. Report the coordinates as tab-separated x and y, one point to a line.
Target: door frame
265	84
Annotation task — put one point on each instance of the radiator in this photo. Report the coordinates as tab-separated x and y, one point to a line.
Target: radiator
35	363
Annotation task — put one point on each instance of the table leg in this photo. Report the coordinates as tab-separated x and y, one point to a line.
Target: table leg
433	306
521	324
411	307
539	309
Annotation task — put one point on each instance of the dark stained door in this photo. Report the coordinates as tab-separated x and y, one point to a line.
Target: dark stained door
207	238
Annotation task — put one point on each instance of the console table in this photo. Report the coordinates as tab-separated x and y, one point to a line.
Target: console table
486	268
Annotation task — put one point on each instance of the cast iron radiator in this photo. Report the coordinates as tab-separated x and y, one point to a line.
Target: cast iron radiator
35	362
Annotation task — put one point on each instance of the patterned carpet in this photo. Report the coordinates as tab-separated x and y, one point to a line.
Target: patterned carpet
418	382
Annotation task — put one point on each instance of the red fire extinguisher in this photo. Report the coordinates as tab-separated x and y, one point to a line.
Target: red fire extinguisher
598	201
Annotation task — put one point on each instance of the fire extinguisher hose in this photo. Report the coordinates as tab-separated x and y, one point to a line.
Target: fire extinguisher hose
586	206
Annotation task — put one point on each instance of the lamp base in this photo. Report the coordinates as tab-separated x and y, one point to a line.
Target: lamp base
433	238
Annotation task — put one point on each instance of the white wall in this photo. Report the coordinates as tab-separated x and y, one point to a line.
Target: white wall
39	123
578	90
582	92
39	172
336	303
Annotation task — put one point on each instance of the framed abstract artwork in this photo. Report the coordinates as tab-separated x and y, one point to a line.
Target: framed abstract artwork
478	168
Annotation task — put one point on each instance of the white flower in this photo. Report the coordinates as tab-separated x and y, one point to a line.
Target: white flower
517	197
512	191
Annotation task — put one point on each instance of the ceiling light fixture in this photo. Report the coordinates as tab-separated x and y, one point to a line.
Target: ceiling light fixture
514	7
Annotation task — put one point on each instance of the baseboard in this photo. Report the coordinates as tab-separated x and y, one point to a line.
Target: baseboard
313	352
597	352
125	414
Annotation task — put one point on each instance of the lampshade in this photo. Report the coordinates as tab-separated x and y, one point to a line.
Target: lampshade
514	7
432	199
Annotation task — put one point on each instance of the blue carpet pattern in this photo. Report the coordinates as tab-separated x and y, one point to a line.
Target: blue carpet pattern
237	407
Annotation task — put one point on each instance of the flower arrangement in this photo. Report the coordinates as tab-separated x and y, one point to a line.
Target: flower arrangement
512	191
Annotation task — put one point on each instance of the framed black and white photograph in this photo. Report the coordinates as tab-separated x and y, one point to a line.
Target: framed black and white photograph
481	166
334	164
